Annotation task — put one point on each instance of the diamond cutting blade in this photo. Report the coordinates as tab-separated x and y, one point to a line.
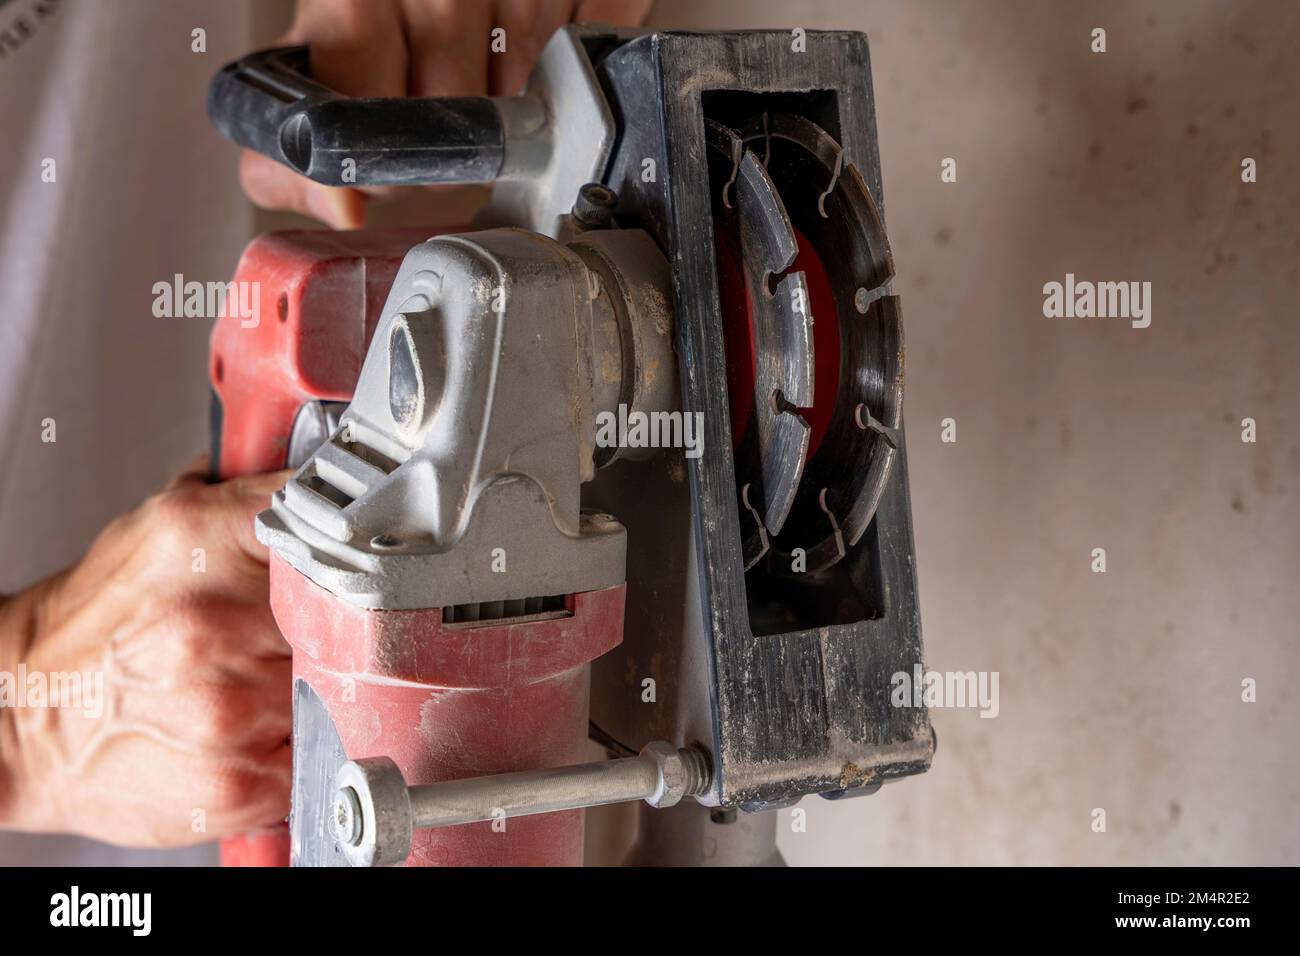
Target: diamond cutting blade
775	447
829	203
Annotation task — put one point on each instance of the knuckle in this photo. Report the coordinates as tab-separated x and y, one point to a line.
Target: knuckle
352	16
223	716
194	627
351	31
175	516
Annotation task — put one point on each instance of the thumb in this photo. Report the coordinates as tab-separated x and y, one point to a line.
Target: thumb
197	472
244	498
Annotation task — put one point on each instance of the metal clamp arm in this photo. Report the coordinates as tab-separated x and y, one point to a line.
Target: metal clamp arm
375	812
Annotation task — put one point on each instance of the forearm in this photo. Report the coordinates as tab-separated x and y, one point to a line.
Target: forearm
25	619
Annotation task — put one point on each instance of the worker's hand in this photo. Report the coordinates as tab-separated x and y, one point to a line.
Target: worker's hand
414	48
175	730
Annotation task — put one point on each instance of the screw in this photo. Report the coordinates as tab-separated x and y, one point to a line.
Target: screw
346	819
385	542
595	206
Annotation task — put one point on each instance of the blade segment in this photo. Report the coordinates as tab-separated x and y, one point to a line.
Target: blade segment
783	345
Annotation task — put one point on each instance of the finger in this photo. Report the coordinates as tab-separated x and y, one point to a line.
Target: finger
448	47
259	637
263	693
273	186
260	487
619	13
250	647
528	25
271	800
252	791
357	46
242	500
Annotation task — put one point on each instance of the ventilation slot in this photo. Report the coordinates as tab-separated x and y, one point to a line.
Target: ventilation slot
327	491
517	611
366	454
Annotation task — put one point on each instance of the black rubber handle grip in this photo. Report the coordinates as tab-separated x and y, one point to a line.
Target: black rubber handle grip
268	102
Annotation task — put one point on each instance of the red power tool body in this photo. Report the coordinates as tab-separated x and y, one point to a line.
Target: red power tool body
444	703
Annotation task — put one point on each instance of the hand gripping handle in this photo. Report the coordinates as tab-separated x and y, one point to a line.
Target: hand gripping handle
268	102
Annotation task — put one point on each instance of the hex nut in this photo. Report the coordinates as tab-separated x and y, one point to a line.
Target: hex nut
682	773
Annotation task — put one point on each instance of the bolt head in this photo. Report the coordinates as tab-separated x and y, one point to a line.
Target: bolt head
595	205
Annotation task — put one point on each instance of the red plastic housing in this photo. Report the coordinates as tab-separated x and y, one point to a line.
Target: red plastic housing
320	295
457	700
